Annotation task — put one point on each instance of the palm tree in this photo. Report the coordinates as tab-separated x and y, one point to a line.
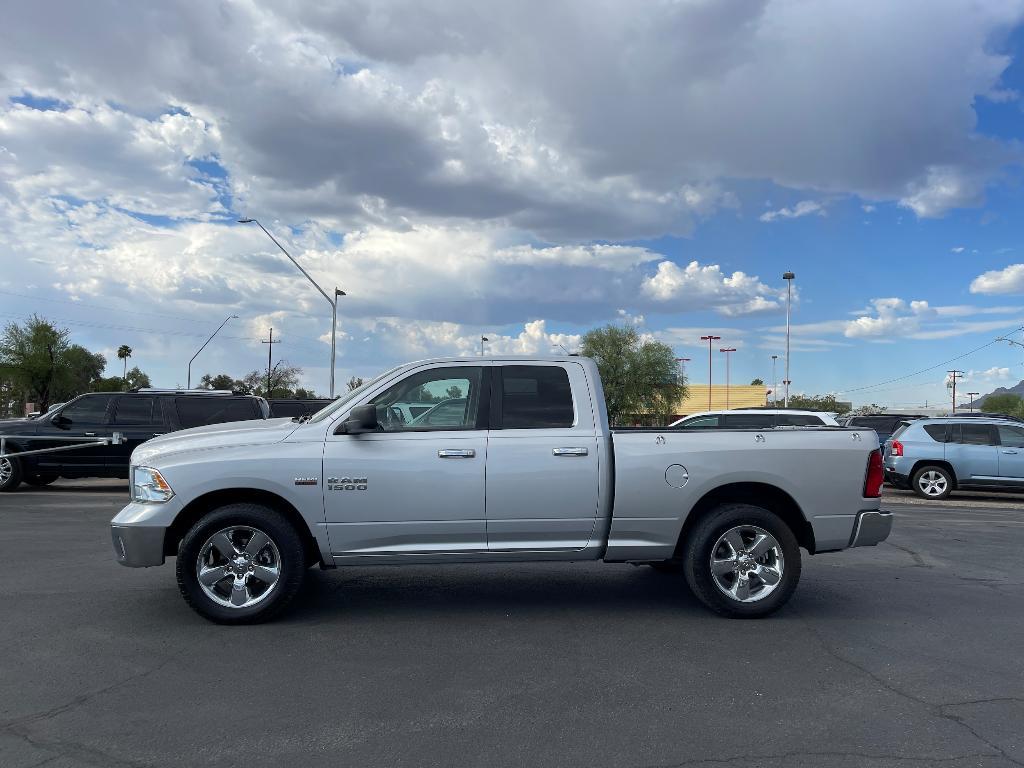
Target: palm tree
123	353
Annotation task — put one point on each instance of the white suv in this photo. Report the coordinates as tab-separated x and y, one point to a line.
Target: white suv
756	418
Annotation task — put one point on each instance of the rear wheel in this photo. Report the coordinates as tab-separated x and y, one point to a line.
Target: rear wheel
742	561
932	482
39	480
10	474
240	564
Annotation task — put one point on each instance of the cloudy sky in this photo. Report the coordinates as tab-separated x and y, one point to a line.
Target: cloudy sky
525	170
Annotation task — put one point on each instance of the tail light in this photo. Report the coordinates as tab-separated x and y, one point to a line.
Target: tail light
896	448
874	477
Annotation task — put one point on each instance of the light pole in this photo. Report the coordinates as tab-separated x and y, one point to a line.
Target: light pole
483	339
788	277
775	382
682	368
709	339
727	351
332	301
188	385
972	395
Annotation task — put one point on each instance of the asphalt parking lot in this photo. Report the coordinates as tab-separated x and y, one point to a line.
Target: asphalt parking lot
904	654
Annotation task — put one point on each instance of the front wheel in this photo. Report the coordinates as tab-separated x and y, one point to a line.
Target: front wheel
932	483
742	561
240	564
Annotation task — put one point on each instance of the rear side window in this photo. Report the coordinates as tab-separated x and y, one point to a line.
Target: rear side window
936	432
747	421
797	420
535	397
977	434
88	409
295	408
198	411
135	410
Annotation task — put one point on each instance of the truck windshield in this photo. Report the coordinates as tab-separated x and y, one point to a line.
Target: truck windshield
326	412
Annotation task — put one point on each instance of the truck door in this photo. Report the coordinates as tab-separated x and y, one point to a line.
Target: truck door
542	459
418	486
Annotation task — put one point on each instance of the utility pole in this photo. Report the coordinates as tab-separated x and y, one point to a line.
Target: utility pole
775	382
483	339
972	395
682	369
270	356
788	277
954	376
727	350
709	339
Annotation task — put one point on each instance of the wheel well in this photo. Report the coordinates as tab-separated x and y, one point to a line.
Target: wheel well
933	463
759	494
200	506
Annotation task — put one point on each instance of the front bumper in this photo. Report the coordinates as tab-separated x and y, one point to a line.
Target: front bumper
138	546
872	526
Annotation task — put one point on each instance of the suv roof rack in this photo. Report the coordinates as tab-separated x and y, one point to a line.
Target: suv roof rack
159	391
983	415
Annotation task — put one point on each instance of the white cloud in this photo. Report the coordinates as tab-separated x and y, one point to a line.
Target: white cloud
1007	280
696	287
992	375
941	189
803	208
957	249
892	317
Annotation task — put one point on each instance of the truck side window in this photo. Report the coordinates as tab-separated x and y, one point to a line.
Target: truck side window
535	397
135	410
436	399
88	409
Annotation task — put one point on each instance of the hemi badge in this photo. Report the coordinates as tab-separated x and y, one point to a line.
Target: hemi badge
306	481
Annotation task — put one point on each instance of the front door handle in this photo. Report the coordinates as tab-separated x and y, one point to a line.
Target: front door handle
1009	451
456	453
89	434
569	451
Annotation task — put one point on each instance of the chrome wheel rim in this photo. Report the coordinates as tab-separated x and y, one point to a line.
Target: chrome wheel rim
238	567
747	563
932	483
6	470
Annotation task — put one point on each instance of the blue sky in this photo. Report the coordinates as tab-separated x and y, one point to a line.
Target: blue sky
527	174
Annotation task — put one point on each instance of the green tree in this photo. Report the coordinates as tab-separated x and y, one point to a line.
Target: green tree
220	381
355	383
32	358
80	371
1007	403
639	376
283	378
757	383
454	392
818	403
123	353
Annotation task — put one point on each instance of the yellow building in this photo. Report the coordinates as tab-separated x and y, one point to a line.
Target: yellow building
722	398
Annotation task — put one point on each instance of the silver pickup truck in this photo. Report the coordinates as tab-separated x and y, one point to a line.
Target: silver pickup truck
462	460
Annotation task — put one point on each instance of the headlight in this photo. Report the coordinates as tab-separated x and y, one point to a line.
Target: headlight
148	485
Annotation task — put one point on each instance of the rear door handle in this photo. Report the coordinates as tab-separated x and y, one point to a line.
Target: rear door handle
89	434
1009	451
569	451
456	453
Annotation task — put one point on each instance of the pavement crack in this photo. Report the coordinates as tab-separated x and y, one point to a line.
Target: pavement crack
918	560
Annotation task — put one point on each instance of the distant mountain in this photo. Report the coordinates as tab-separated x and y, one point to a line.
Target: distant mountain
1017	389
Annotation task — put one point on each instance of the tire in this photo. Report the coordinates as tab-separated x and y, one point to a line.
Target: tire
235	526
10	474
725	593
39	480
933	483
667	566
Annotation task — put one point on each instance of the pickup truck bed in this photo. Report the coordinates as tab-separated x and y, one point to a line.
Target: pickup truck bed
509	459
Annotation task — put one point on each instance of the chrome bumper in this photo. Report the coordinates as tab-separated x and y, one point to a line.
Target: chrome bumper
138	546
872	526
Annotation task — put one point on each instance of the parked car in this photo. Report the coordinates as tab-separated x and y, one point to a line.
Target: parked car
139	416
935	457
755	418
884	424
531	471
294	407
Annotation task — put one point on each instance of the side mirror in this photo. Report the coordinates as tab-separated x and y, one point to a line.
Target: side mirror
363	418
61	422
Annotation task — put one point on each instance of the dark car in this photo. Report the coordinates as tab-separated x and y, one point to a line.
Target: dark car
882	423
295	407
137	415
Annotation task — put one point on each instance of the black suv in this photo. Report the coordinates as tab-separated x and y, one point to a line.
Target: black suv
137	415
295	407
883	423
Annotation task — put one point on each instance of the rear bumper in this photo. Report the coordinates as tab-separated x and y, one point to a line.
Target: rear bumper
872	526
897	479
138	546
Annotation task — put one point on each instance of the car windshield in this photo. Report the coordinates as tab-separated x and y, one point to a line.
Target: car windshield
327	410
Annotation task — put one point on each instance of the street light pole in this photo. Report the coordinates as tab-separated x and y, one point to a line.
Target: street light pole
972	395
775	382
482	340
333	302
682	369
709	339
727	351
788	277
188	385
